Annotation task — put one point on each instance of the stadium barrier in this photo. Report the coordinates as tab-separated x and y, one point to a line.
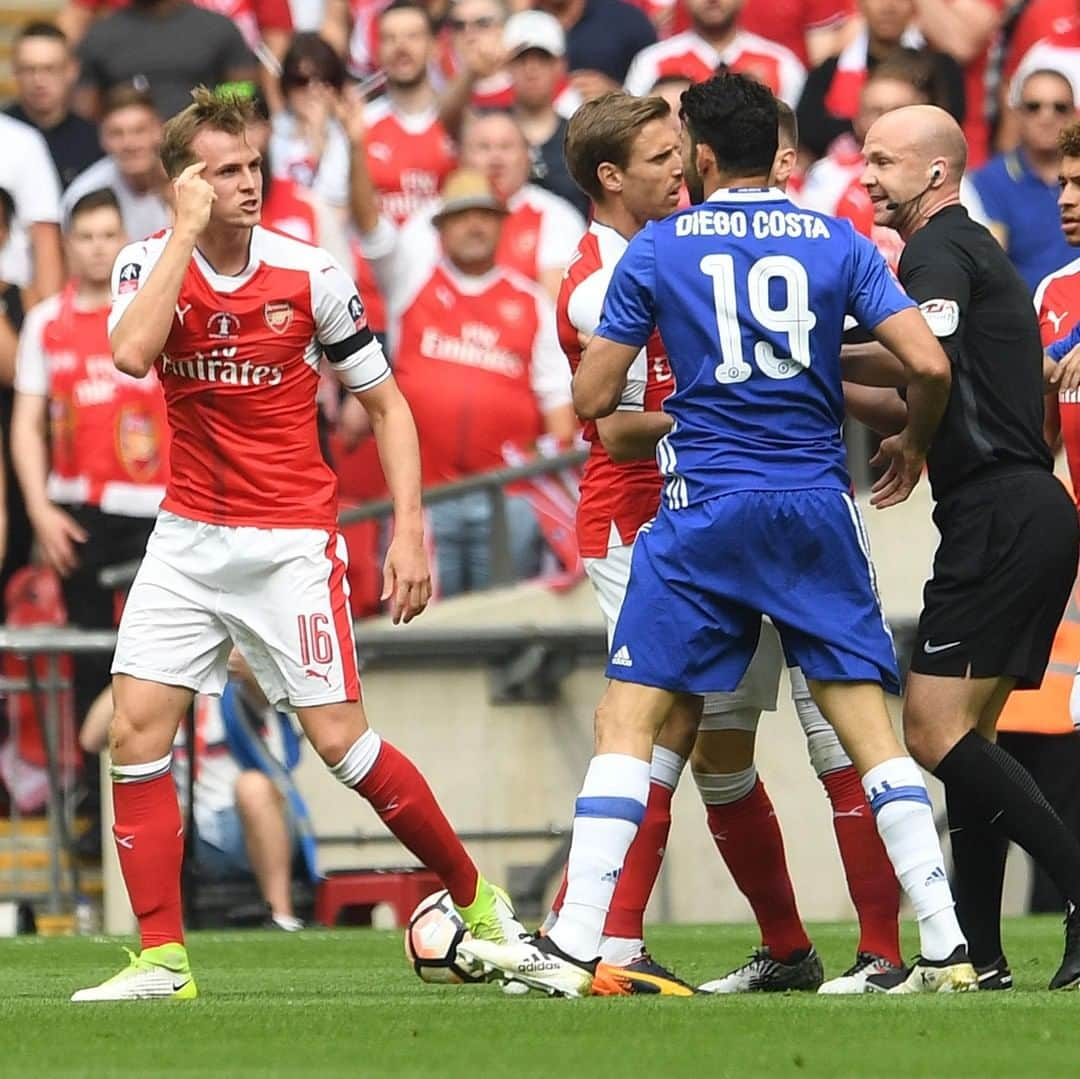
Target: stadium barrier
492	483
514	673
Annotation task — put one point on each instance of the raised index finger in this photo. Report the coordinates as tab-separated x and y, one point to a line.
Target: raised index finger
192	170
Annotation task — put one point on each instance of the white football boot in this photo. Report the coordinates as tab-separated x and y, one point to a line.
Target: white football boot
855	979
533	961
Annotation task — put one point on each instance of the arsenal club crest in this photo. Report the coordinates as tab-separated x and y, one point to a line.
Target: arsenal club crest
138	443
278	315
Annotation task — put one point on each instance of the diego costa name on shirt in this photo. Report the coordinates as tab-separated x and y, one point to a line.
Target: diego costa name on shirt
760	224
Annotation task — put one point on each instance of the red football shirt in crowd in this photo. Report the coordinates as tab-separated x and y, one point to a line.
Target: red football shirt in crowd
108	435
690	56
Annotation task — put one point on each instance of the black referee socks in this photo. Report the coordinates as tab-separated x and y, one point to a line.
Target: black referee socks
995	788
978	851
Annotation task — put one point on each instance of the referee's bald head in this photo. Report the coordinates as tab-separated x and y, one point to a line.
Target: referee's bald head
926	132
915	160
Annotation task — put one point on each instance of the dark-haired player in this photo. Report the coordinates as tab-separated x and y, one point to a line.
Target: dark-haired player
755	516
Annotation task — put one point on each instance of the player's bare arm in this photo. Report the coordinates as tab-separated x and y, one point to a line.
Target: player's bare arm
908	337
140	335
406	575
882	409
601	377
363	198
56	531
869	363
632	436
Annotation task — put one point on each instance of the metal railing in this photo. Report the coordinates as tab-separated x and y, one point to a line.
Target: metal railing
51	642
514	653
492	483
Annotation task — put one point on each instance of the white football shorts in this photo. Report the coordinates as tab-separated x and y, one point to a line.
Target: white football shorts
723	711
279	594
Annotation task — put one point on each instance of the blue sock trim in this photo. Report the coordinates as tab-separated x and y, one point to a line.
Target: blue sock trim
881	797
617	808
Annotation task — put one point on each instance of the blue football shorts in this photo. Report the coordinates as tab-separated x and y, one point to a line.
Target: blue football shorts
702	577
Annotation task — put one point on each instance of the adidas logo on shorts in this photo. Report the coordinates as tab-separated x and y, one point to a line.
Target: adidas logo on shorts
621	658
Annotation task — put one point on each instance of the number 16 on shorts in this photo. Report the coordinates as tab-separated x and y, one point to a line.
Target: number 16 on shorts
316	641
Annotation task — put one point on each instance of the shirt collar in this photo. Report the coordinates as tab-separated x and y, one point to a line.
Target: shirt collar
747	194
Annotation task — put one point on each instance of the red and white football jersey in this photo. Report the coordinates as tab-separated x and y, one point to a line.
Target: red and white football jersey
408	156
288	207
108	435
1057	301
832	186
538	233
240	369
478	361
690	56
615	500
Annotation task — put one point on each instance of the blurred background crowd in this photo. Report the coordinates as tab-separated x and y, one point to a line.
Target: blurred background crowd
368	106
372	111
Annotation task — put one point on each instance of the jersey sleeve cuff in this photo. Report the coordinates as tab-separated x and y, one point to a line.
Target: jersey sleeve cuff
621	337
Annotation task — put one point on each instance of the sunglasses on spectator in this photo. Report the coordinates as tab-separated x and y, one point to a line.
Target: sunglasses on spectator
1060	108
482	22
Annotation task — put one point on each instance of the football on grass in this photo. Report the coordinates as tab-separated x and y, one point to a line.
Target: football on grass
434	931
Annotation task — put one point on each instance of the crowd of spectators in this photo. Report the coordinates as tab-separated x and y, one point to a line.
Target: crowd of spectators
370	108
420	143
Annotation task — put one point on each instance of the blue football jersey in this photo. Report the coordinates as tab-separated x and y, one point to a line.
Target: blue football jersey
749	294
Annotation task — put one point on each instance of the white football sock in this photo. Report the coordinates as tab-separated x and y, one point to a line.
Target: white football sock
666	768
620	951
359	759
606	818
905	821
726	788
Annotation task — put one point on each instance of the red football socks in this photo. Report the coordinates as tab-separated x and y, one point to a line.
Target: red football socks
626	916
870	878
149	838
400	795
747	835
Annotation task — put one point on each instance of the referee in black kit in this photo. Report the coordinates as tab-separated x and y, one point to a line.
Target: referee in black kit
1007	559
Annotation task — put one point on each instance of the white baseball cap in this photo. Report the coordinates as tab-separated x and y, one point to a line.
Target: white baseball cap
534	30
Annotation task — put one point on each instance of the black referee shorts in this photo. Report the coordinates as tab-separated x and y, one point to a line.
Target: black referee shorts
1003	574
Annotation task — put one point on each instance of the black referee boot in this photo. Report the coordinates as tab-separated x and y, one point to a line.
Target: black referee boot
1068	974
995	976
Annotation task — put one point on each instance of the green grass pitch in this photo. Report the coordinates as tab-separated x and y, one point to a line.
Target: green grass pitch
344	1003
